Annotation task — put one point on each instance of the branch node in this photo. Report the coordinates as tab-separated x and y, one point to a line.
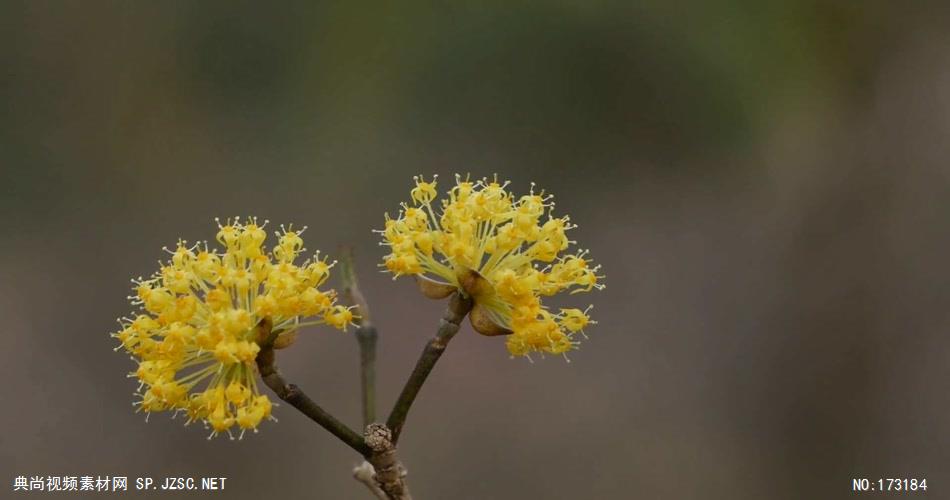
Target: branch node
390	473
378	437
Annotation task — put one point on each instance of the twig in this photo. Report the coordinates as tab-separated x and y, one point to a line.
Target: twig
366	474
382	472
366	336
449	325
297	398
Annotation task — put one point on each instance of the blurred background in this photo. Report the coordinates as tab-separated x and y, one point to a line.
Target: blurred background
765	184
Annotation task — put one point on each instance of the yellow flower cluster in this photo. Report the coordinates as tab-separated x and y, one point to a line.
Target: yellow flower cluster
196	337
513	243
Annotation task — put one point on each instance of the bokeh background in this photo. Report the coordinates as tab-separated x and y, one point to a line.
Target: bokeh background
765	183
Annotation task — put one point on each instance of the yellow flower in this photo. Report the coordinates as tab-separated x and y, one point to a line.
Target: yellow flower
504	251
195	337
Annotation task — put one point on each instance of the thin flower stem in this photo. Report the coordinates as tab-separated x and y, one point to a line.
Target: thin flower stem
366	336
298	399
449	325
